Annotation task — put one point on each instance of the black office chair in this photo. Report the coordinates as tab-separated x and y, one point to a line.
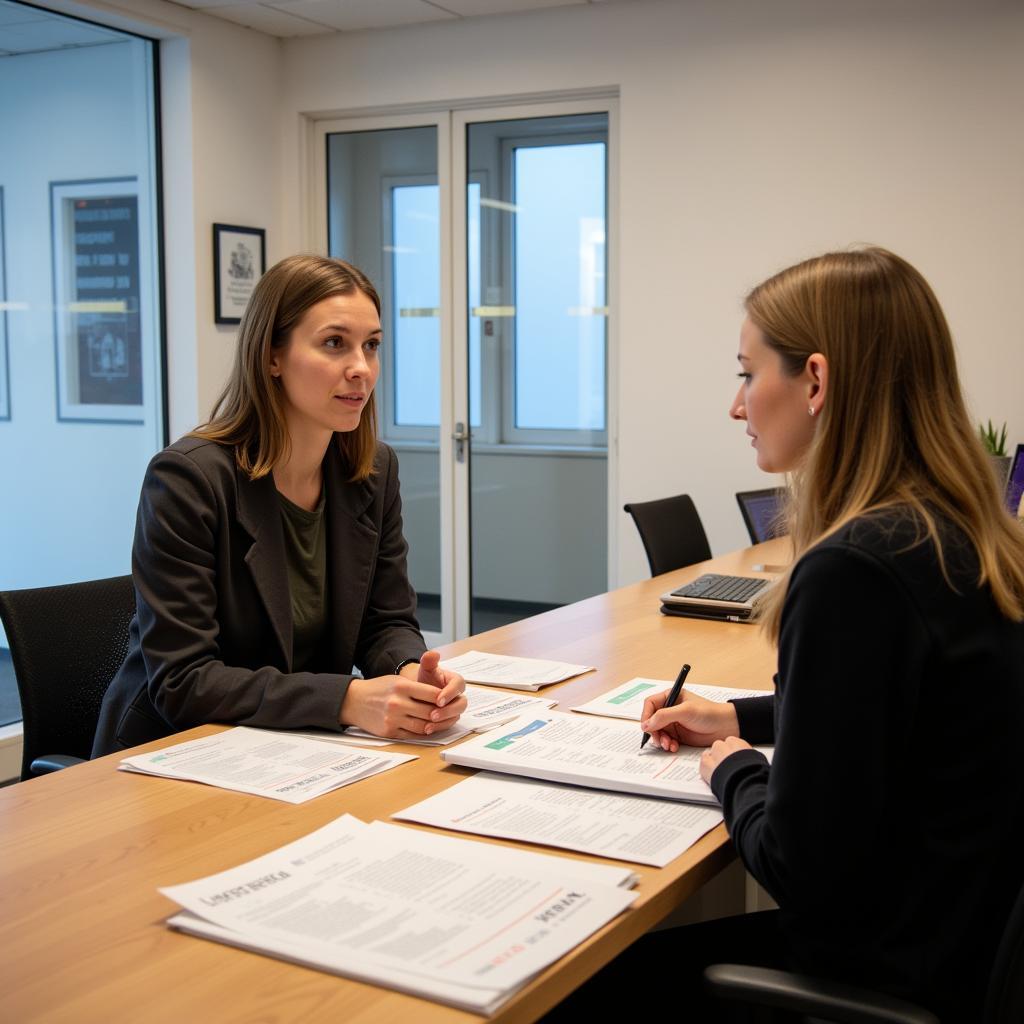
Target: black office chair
671	531
846	1004
762	512
67	643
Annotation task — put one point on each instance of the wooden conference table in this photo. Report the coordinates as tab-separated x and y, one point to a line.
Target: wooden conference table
82	934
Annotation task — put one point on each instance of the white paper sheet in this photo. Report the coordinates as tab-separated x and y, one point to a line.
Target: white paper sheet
437	739
638	829
264	762
344	738
486	709
586	751
512	673
490	708
627	700
443	917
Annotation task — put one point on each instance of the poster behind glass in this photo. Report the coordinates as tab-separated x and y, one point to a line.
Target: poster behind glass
97	300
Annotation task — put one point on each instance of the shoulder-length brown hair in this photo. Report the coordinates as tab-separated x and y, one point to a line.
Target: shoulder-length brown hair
249	414
894	428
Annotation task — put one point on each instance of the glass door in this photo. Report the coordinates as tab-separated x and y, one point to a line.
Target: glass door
486	233
384	215
535	315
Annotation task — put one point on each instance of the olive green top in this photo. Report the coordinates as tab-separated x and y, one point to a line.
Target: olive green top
305	546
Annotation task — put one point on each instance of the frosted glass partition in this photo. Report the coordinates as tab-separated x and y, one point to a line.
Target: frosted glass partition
81	390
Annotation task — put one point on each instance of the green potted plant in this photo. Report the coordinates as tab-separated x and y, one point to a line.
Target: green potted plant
994	442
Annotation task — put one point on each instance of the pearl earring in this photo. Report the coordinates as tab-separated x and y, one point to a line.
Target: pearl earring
810	410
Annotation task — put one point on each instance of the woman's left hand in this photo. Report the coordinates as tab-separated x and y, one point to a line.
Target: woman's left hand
429	670
717	753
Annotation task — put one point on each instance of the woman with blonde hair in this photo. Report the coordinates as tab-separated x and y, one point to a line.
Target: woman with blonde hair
269	559
890	823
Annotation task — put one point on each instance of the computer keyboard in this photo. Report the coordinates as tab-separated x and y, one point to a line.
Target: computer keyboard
712	587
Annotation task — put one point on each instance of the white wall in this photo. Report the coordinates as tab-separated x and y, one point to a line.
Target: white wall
751	135
222	160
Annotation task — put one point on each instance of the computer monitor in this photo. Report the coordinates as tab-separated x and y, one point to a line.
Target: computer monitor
761	511
1015	483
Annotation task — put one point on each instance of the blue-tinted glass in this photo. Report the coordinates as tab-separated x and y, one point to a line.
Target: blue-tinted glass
560	287
473	271
417	328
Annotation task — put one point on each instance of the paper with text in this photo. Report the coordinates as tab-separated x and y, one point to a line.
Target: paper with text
639	829
627	700
586	751
439	916
511	672
264	762
486	709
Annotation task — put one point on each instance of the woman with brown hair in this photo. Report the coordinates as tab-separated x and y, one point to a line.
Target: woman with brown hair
269	558
890	823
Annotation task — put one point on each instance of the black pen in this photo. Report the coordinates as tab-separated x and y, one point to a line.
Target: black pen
673	696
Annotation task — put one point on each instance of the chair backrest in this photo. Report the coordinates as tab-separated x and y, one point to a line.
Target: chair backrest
671	531
67	643
761	511
1004	1003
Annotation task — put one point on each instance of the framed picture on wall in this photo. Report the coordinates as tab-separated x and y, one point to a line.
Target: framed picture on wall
239	261
97	300
5	361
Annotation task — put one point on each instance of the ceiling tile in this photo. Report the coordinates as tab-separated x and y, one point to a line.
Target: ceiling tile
353	15
271	20
470	8
204	5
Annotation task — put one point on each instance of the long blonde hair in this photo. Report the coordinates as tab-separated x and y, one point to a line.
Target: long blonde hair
894	428
249	413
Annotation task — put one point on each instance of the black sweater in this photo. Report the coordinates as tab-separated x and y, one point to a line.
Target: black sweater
889	827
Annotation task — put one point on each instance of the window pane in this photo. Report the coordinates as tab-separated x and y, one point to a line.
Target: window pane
81	394
560	287
417	284
383	216
473	270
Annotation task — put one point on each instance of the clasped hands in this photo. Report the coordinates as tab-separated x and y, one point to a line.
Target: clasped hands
422	699
694	722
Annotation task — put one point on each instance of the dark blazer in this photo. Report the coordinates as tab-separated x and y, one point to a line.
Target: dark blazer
211	640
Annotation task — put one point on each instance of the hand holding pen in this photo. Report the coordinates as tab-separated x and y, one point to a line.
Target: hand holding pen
674	719
677	688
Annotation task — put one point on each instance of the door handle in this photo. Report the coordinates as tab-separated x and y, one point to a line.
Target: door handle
461	437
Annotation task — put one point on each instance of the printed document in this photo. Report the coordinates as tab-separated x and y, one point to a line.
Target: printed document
627	700
450	919
489	708
485	710
280	765
512	673
586	751
639	829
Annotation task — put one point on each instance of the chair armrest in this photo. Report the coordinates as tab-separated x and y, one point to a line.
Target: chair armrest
47	763
843	1004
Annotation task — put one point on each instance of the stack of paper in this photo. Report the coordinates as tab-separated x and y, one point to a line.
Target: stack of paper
448	919
594	752
512	673
627	700
640	829
281	765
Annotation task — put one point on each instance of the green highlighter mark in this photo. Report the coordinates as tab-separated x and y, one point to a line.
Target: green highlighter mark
630	694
